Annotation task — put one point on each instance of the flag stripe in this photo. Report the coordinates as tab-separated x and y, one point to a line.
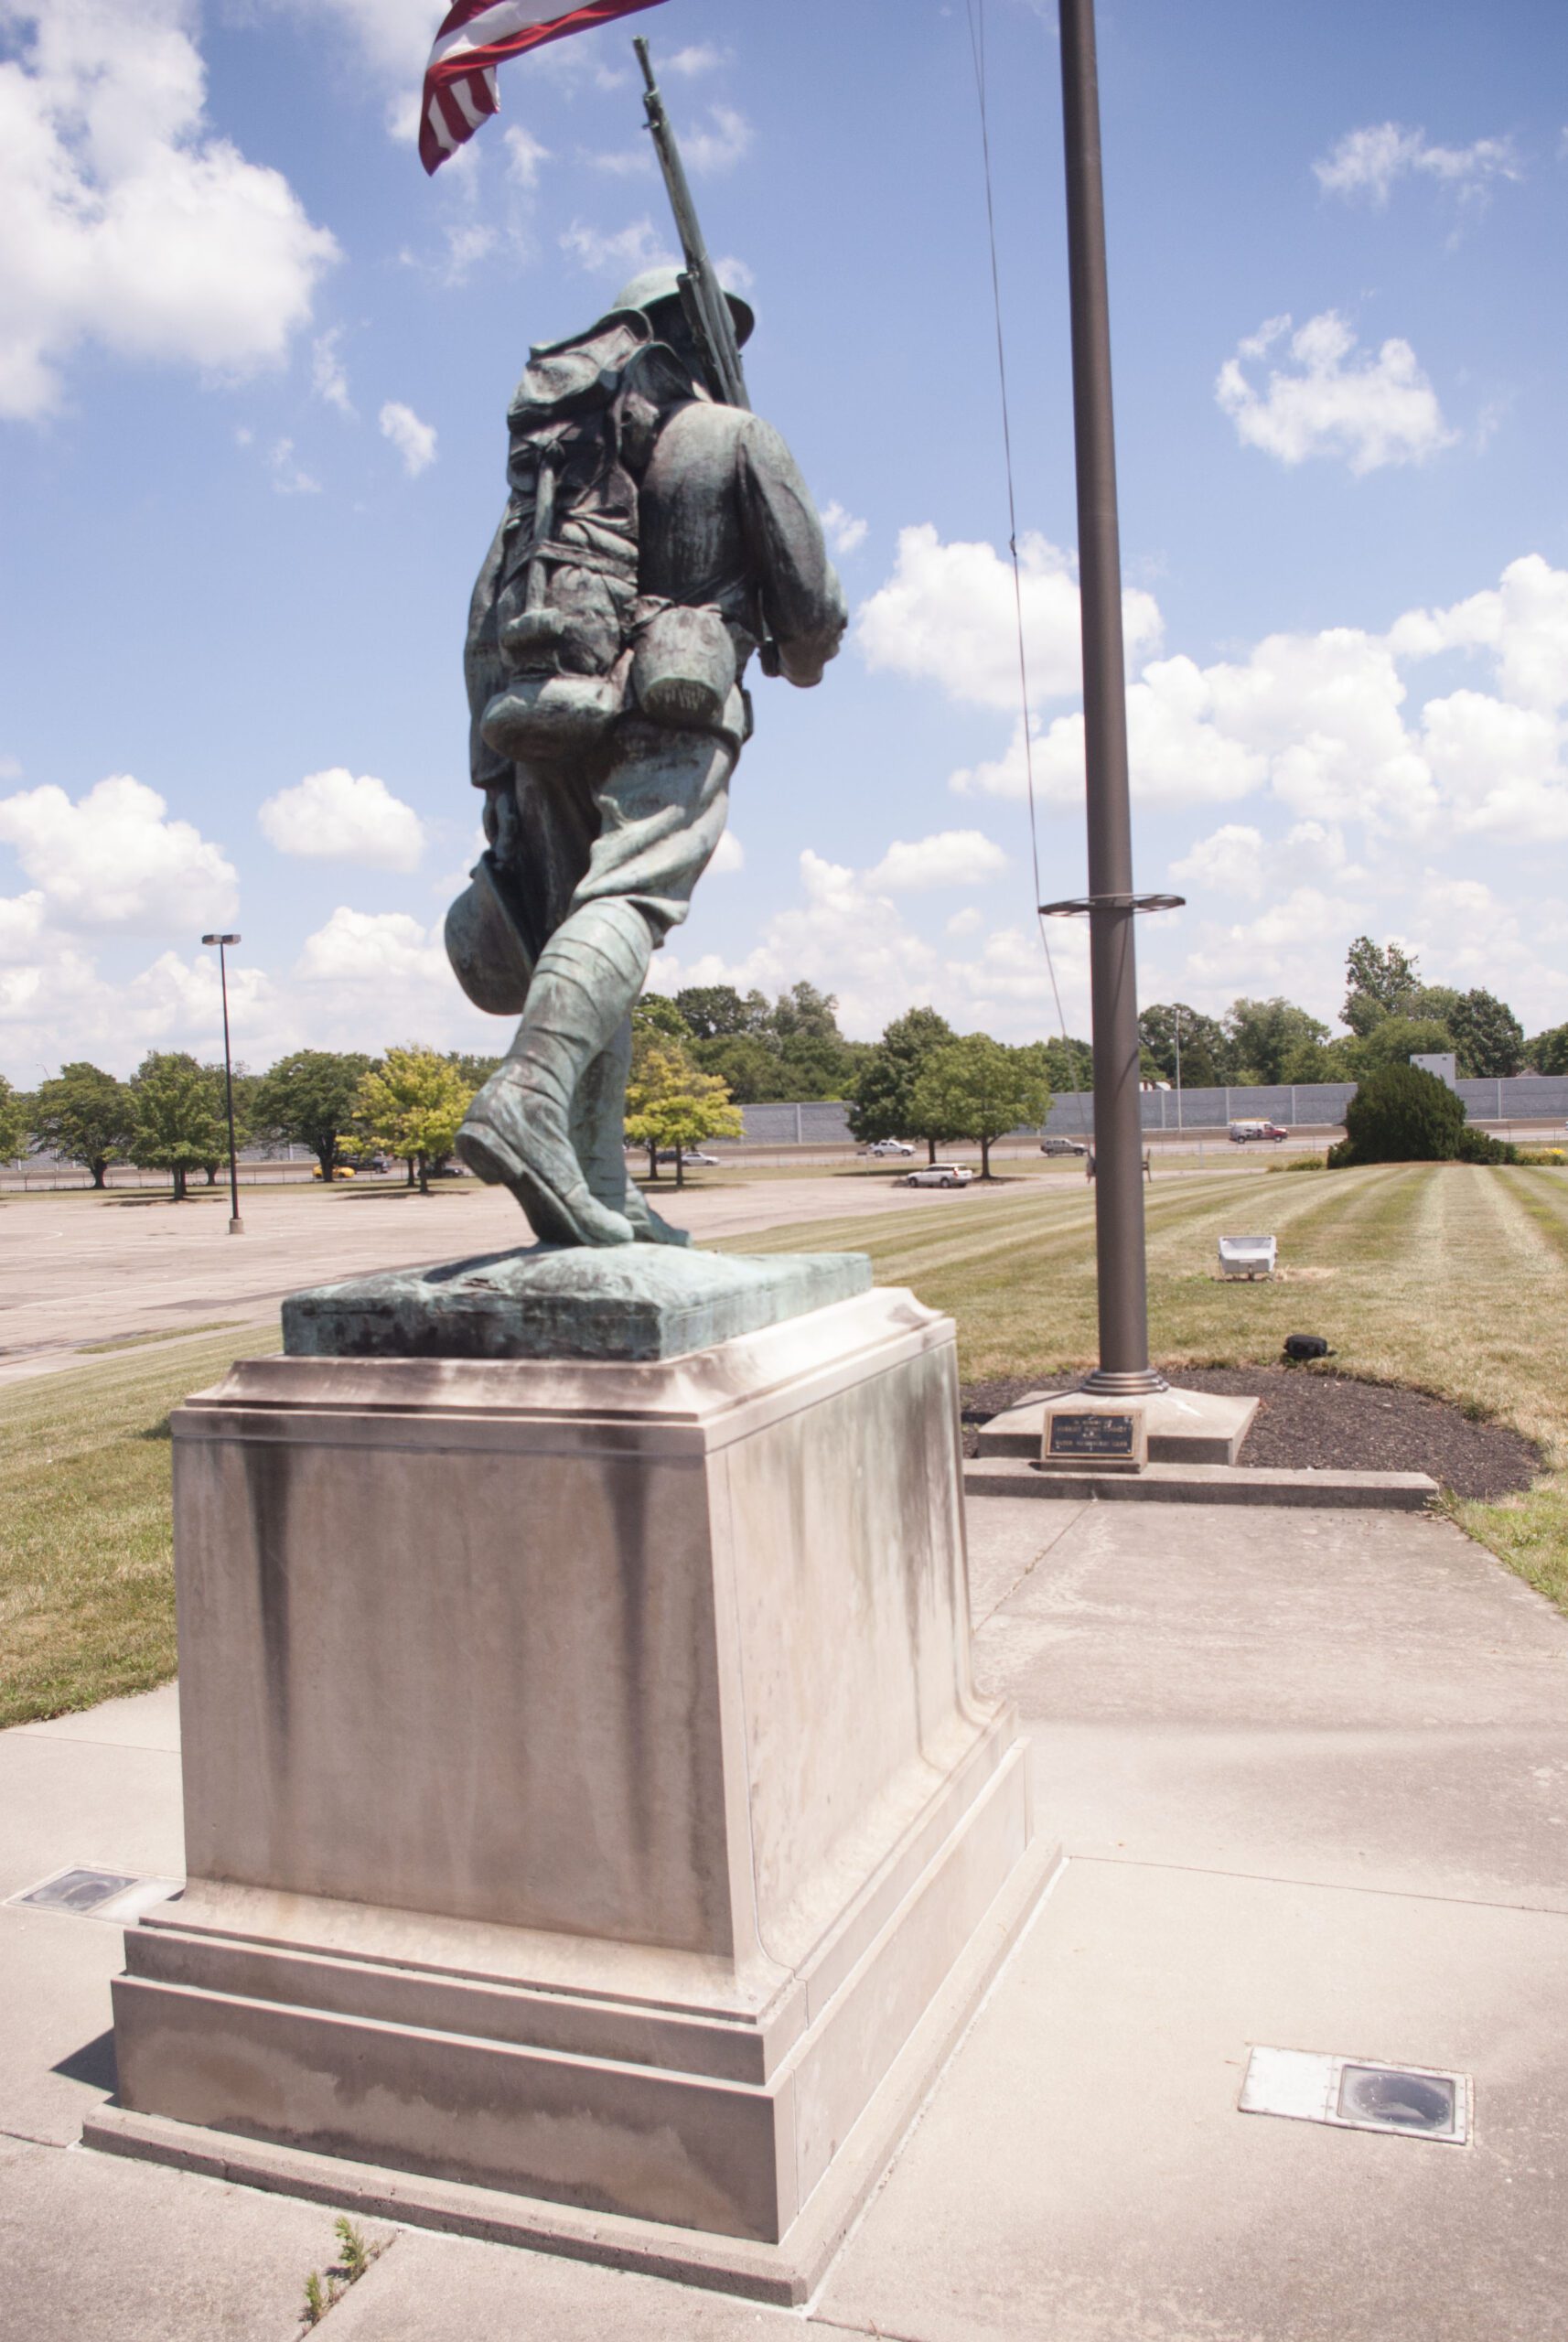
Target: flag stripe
476	36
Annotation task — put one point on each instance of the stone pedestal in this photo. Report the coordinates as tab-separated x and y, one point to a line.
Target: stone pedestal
593	1832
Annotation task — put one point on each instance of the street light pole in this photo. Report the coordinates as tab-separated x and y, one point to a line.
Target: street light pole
1176	1020
236	1225
1123	1371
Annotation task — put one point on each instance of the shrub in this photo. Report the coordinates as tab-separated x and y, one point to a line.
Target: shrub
1474	1146
1401	1115
1301	1163
1549	1157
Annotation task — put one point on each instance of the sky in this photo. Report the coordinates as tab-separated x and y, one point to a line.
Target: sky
253	375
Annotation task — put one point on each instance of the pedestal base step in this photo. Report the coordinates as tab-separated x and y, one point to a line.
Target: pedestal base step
1010	1476
786	2273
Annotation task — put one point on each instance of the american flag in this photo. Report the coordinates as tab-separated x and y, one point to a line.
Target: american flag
476	36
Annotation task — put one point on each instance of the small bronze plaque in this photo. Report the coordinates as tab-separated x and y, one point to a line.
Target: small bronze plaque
1104	1440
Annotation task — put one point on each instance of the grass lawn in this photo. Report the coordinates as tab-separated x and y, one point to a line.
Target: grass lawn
86	1554
1450	1277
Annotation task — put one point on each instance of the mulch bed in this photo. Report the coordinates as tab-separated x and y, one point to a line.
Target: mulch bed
1330	1421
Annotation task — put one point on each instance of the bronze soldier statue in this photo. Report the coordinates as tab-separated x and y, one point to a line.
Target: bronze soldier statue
653	539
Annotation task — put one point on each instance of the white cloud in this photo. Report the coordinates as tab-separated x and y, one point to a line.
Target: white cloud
946	615
729	855
626	252
711	151
698	56
845	533
1369	410
969	921
288	478
338	816
114	861
1367	162
384	963
328	375
524	155
415	441
950	858
123	220
1237	859
394	35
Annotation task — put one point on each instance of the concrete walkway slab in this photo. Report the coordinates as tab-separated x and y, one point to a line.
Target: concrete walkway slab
96	2251
1311	1771
1084	2174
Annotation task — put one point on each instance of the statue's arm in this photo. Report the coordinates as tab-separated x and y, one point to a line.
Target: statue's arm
802	601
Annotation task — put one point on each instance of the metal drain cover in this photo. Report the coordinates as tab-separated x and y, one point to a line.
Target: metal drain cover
1358	2094
86	1893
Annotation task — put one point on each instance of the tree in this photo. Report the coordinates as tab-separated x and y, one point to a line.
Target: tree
882	1105
977	1088
748	1068
1379	980
1488	1036
13	1122
309	1099
1069	1065
718	1012
178	1127
655	1013
1400	1114
1204	1051
1395	1040
85	1116
672	1102
803	1011
1264	1033
1548	1053
413	1104
1309	1061
243	1087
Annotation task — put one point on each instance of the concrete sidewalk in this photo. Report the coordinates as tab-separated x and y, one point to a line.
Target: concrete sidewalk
1311	1772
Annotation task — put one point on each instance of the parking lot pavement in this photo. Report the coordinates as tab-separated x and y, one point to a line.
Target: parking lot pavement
76	1269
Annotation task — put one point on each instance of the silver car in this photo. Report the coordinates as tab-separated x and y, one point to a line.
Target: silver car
939	1174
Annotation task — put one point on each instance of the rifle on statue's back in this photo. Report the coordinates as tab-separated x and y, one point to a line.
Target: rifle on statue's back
701	297
708	311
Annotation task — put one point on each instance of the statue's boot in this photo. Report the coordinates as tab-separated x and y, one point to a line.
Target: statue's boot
598	1134
518	1131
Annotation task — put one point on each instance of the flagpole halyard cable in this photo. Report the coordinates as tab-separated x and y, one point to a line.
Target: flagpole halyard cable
976	12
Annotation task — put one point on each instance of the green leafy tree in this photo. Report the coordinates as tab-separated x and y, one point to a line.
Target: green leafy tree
672	1102
655	1013
178	1127
1069	1065
15	1120
310	1099
475	1070
1204	1050
1488	1036
244	1086
1548	1053
977	1088
1264	1033
718	1013
413	1104
84	1116
883	1102
1400	1114
744	1062
1310	1062
1380	981
1395	1040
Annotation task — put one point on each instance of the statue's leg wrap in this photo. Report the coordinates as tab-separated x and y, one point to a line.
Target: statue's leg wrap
598	1124
518	1130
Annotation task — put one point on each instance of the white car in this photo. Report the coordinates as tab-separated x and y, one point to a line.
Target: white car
939	1174
689	1155
889	1146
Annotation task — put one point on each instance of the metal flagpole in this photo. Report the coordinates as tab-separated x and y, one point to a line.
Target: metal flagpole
1123	1371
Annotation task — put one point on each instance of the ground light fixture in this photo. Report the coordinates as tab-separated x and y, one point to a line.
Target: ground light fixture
236	1225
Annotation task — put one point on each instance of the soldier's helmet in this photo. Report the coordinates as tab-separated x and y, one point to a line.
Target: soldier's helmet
655	287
